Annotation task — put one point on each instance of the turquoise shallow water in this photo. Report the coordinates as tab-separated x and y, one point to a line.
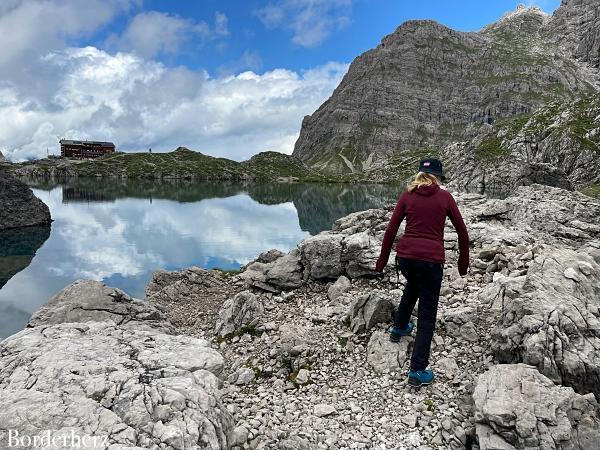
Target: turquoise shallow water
121	232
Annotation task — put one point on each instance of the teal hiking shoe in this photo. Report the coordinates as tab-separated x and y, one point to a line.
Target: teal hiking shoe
420	377
397	333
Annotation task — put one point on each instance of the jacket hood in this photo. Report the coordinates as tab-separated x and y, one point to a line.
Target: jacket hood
427	190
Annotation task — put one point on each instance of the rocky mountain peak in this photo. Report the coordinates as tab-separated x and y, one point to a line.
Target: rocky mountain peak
427	86
522	20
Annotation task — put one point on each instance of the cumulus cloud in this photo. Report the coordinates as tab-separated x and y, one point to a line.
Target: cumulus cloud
310	21
140	103
50	88
154	33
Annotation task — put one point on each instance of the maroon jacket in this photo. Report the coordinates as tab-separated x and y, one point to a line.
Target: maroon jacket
425	209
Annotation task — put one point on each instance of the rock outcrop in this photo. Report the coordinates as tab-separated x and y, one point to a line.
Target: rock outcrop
135	389
552	321
518	408
242	311
95	364
277	273
451	86
18	206
557	145
88	300
368	310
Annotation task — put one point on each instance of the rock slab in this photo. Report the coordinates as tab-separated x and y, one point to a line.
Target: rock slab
516	407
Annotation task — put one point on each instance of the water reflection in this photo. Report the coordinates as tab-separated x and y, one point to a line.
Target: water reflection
18	247
121	232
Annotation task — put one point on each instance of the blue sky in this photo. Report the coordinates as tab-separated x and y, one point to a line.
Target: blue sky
226	77
255	45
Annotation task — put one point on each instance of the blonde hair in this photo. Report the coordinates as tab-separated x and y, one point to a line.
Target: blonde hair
422	179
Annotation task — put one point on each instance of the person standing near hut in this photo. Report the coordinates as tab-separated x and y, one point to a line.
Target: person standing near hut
420	256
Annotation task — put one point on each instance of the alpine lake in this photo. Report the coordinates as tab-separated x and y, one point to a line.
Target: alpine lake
120	232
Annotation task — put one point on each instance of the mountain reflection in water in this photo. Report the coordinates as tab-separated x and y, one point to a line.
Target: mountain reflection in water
121	232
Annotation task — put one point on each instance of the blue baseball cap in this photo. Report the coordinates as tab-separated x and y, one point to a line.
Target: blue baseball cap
433	166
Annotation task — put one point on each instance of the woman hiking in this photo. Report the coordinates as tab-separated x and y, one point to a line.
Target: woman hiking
420	257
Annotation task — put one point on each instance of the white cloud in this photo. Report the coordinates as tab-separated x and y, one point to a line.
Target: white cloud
140	104
50	90
153	33
310	21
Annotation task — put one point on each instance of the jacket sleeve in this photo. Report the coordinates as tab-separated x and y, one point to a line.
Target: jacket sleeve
463	236
390	232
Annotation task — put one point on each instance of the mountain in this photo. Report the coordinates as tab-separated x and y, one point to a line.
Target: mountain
427	87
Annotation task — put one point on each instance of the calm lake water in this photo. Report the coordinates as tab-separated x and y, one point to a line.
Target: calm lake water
121	232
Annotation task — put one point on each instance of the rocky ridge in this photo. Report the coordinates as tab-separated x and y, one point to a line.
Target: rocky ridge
304	358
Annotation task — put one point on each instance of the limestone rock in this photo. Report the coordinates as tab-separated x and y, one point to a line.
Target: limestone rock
370	309
553	320
174	286
386	356
282	273
322	410
138	388
243	310
242	376
518	408
341	286
18	206
321	255
360	254
296	443
459	324
88	300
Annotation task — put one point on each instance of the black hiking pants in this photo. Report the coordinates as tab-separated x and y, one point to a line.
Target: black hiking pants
423	283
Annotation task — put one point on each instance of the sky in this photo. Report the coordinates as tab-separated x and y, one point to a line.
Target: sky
228	78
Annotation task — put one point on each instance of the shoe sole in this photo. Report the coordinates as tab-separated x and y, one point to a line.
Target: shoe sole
417	383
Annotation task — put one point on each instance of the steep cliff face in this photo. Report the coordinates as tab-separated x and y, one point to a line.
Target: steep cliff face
558	145
576	24
426	86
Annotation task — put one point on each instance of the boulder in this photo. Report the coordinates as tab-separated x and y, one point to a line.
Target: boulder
552	321
321	256
341	286
360	253
18	206
134	388
459	324
243	310
295	339
516	407
370	309
265	257
88	300
386	356
283	273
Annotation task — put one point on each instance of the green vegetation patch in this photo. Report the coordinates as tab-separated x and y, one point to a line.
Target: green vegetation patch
491	148
592	191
